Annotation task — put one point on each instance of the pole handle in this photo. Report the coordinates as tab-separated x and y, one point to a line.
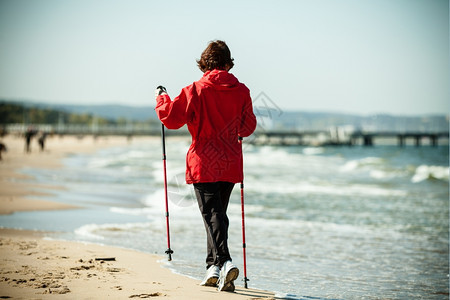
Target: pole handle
163	138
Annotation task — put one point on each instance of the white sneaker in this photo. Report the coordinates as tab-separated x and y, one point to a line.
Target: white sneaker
228	274
212	276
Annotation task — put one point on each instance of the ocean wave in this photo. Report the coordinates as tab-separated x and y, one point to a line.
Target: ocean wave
135	154
175	173
384	174
88	232
93	231
425	172
378	174
375	167
132	211
180	203
322	188
102	162
154	200
313	150
118	157
267	155
279	295
293	226
364	162
287	296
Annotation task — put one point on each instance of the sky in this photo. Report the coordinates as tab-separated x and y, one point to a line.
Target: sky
350	56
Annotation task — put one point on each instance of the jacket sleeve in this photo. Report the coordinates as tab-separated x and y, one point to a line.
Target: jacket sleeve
173	114
248	121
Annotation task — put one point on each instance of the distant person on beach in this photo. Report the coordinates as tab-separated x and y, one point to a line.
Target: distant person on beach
217	110
28	136
41	140
2	149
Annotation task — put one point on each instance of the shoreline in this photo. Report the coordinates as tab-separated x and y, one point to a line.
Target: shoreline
34	266
18	191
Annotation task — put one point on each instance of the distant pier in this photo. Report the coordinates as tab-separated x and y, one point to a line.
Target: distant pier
417	137
335	136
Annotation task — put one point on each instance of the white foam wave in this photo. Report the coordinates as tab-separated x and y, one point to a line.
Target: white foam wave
88	232
309	226
349	166
102	162
175	173
313	150
267	155
287	296
152	200
322	188
249	208
378	174
93	231
118	157
425	172
131	211
180	203
357	163
135	154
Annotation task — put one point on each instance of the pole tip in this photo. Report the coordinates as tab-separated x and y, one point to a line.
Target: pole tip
245	282
169	252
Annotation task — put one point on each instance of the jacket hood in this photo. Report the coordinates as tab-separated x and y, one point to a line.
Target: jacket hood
220	79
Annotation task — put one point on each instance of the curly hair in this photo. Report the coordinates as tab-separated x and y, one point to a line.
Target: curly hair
217	55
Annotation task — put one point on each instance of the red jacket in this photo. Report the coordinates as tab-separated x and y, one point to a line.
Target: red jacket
217	109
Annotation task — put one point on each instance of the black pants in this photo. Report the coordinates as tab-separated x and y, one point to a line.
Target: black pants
213	198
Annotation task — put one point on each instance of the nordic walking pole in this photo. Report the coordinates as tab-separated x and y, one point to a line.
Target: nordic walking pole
243	225
163	137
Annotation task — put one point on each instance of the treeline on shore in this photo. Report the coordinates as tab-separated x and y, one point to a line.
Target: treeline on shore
16	113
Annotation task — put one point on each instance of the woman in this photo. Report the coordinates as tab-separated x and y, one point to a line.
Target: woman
217	110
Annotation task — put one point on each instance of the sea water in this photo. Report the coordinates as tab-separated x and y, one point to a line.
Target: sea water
321	223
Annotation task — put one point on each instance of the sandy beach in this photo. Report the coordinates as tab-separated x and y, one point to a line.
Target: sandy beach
33	266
